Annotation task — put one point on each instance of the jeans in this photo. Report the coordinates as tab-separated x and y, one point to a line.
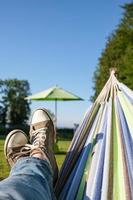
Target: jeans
30	179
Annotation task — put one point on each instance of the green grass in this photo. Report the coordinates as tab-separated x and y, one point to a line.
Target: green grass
60	150
4	168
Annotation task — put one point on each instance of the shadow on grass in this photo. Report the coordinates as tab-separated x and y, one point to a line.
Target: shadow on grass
61	153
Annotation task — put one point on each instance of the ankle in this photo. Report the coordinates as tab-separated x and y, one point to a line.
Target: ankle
38	153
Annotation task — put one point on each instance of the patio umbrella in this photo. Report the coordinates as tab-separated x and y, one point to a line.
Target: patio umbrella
99	162
54	94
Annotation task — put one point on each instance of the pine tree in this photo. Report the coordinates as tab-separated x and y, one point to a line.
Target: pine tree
118	53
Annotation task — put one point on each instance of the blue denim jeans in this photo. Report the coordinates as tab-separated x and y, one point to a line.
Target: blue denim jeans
29	179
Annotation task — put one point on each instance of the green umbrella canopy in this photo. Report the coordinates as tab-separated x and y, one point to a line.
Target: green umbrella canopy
54	94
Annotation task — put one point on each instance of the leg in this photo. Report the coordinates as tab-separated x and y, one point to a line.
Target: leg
31	176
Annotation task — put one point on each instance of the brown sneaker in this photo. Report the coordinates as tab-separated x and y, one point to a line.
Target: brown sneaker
16	146
42	136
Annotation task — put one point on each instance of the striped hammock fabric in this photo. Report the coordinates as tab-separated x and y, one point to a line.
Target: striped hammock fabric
99	162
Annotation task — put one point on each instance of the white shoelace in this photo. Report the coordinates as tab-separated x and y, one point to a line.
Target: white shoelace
39	138
24	150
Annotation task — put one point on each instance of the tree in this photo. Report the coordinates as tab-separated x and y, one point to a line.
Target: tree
15	109
2	108
118	53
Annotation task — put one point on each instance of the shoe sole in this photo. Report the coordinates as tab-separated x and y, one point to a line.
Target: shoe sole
8	139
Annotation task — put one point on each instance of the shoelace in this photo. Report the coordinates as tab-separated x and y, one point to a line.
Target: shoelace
39	138
19	151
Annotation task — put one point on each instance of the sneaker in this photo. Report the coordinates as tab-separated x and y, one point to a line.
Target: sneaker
42	136
16	146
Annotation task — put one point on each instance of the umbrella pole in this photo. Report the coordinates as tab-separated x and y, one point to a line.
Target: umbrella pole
55	113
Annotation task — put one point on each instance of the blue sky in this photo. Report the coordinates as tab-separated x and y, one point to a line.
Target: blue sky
49	42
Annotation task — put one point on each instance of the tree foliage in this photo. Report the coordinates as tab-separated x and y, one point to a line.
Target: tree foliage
14	109
118	53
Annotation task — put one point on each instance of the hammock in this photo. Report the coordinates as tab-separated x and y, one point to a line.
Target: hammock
99	162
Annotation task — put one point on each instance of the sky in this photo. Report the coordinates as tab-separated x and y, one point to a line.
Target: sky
56	42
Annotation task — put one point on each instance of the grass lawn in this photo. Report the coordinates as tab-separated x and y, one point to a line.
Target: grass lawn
4	168
60	151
